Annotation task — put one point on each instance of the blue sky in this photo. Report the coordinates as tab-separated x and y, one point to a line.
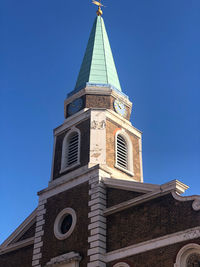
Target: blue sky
155	45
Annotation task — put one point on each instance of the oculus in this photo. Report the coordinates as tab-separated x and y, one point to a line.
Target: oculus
65	223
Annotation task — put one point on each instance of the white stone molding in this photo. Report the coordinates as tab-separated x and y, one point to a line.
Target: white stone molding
64	157
59	220
70	259
18	245
163	190
97	137
39	232
184	253
99	91
194	198
163	241
130	185
12	243
67	181
129	144
73	120
125	124
97	226
121	264
140	156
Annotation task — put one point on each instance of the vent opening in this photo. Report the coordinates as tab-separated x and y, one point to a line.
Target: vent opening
122	152
72	149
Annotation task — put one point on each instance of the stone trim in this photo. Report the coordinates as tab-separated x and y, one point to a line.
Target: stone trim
141	162
73	120
184	253
195	199
39	232
64	157
130	185
97	137
70	257
15	246
167	188
98	91
163	241
21	229
114	117
121	264
97	226
130	161
58	222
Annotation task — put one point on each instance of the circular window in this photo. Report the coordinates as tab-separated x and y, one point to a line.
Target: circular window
65	223
193	260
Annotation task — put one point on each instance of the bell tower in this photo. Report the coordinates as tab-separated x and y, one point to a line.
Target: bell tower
96	210
97	130
96	148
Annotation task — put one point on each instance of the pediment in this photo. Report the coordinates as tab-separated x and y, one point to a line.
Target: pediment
22	236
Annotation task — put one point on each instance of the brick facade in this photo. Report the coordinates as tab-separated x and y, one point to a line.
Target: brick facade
162	257
18	258
84	128
155	218
111	129
116	196
99	101
76	198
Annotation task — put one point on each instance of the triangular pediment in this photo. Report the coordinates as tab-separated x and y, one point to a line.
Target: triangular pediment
22	236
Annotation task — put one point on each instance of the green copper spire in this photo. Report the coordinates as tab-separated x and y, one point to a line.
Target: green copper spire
98	67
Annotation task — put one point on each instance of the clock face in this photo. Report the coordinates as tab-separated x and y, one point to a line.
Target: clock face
75	106
120	108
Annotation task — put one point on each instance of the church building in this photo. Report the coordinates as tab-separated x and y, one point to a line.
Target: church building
97	211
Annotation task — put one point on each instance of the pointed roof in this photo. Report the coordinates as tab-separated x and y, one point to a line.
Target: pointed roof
98	67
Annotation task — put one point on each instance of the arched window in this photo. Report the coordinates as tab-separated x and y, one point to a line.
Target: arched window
71	150
188	256
123	152
121	264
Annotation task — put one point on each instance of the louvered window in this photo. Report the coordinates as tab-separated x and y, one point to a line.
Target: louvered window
122	152
72	149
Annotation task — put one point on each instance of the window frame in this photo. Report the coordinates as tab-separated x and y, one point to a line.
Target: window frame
126	137
64	157
58	221
121	264
185	252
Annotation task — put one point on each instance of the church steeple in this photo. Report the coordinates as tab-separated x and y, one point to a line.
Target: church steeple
98	67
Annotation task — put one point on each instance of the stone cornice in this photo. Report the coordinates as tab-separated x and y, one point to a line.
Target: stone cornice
171	187
18	245
23	227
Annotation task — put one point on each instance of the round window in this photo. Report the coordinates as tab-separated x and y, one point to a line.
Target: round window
65	223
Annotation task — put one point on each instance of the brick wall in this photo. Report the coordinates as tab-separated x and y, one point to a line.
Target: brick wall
158	217
162	257
29	233
77	199
116	196
99	101
84	127
111	129
18	258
